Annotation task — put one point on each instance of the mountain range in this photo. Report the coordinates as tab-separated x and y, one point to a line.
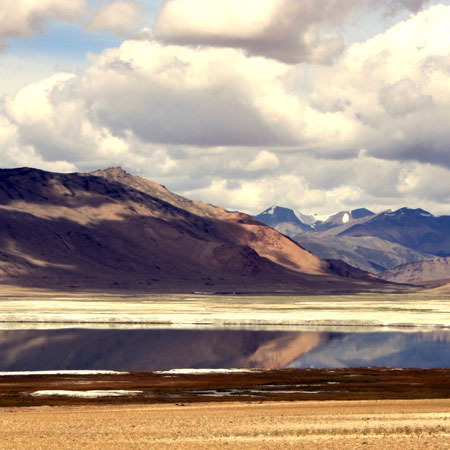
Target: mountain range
406	245
111	230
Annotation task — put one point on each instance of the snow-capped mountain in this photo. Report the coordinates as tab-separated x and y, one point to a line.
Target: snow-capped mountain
292	222
376	242
341	218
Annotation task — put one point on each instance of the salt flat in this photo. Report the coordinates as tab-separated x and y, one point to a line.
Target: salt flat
344	312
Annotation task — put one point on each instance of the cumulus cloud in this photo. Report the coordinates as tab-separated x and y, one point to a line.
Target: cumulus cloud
288	30
191	96
264	161
57	125
119	17
403	97
15	154
24	19
228	127
419	180
395	89
291	31
309	187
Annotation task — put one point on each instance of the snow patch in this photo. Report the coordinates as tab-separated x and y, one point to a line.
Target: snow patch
345	218
322	217
86	394
62	372
307	219
202	371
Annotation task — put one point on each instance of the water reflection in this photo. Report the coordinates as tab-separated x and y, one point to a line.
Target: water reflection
421	350
159	349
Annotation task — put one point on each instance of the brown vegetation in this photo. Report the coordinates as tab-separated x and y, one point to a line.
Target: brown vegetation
268	385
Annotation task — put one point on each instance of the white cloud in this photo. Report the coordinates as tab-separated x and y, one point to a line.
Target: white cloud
24	19
57	124
403	97
426	182
395	89
288	30
237	130
191	96
118	16
15	154
291	31
264	161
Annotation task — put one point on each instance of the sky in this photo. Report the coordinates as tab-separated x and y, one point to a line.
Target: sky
316	105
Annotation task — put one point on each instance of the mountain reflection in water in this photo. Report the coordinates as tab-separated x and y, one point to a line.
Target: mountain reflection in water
159	349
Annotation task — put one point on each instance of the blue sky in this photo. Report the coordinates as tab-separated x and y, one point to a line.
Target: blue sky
318	105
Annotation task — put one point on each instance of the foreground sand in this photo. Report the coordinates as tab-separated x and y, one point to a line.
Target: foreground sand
387	424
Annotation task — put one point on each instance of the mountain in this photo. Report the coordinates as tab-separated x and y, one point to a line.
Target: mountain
283	220
288	222
341	218
372	242
112	230
368	253
419	272
380	242
412	228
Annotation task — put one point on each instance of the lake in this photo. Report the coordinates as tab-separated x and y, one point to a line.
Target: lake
162	349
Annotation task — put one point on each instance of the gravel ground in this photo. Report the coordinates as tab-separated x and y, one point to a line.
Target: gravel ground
388	424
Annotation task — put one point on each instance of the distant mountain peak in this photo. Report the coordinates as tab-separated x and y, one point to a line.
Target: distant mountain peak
283	219
407	211
360	213
271	209
279	216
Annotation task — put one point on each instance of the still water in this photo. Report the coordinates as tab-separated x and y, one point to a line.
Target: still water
162	349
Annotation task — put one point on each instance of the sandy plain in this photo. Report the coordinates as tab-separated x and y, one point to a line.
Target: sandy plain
387	424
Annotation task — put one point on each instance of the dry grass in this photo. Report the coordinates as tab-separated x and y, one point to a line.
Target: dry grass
412	424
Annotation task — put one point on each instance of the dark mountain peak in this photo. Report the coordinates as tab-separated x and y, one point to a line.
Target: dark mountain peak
360	213
409	212
275	216
280	211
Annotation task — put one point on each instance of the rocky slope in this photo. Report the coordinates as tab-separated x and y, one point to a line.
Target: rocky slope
369	253
420	272
109	229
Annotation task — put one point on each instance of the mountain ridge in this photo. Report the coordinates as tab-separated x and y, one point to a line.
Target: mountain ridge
377	242
111	230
